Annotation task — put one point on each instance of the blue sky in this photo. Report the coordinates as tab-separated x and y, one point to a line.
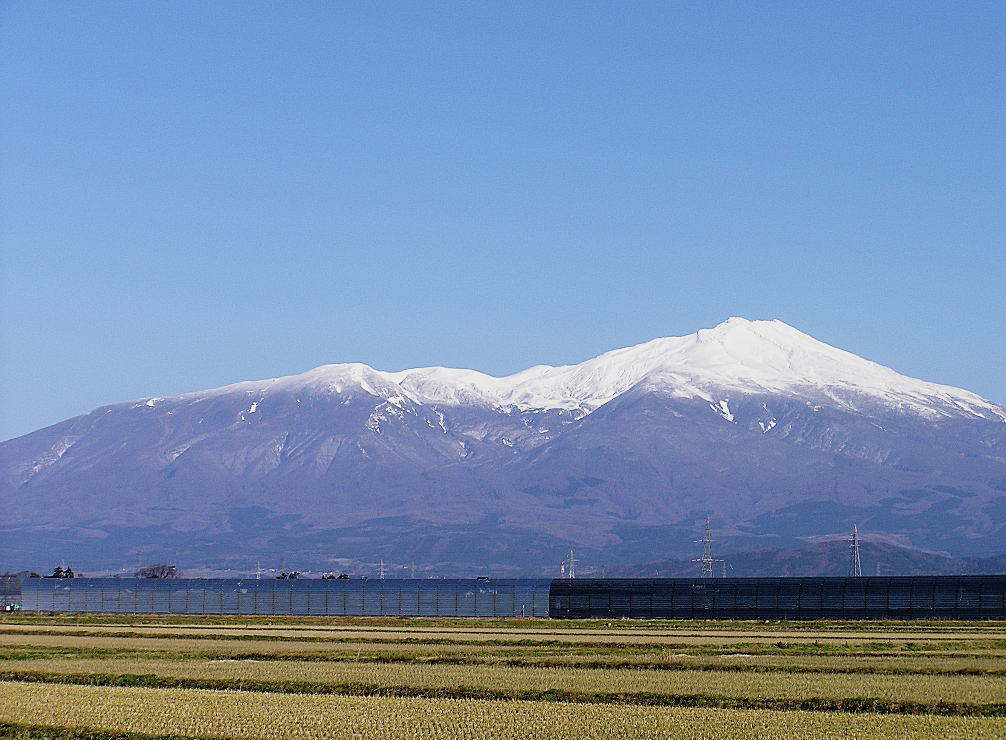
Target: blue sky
198	193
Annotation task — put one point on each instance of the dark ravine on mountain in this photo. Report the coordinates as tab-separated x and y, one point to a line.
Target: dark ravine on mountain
781	439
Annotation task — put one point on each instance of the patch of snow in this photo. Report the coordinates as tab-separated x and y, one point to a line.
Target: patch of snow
55	453
440	420
723	409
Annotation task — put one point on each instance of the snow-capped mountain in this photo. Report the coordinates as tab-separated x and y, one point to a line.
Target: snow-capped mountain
776	435
738	355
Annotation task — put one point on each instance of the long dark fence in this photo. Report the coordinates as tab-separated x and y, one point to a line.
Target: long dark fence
903	597
348	597
907	597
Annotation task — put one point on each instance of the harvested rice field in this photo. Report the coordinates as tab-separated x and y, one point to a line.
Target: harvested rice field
78	676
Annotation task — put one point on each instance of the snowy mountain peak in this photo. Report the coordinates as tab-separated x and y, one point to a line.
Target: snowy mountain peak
784	436
737	356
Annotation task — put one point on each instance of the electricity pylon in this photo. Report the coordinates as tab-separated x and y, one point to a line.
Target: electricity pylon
707	562
855	566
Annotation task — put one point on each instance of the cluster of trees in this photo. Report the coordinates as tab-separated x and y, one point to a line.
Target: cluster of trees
166	571
158	571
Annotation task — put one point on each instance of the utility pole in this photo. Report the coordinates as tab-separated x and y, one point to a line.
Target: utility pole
855	566
707	561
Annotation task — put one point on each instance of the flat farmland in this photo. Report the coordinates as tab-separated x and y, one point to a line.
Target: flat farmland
100	677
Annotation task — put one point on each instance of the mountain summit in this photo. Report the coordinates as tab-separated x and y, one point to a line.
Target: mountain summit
737	355
778	436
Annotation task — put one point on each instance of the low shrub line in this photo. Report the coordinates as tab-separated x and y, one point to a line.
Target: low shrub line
855	704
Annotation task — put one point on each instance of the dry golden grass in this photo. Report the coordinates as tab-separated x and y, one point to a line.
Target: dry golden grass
245	715
237	647
911	663
913	688
903	655
359	652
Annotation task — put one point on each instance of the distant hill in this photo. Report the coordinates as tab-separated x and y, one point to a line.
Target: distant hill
822	559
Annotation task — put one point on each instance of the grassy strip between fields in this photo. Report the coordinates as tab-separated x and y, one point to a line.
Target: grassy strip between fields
19	731
518	662
766	648
323	622
801	650
621	665
852	704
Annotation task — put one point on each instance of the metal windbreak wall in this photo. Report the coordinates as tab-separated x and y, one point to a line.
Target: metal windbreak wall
10	593
350	597
907	597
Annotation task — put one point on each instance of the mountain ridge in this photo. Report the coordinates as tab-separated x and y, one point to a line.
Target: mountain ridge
719	352
776	435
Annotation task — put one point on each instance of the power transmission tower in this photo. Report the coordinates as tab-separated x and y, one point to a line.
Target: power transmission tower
380	573
855	566
572	565
707	561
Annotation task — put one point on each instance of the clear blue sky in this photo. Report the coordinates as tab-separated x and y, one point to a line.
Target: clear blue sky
197	193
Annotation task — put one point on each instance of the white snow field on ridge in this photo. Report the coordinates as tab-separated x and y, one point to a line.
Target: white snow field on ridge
751	357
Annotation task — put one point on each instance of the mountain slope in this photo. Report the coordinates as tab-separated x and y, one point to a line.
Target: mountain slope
774	434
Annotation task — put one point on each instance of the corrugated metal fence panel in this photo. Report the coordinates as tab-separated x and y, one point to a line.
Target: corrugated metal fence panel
904	597
346	597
